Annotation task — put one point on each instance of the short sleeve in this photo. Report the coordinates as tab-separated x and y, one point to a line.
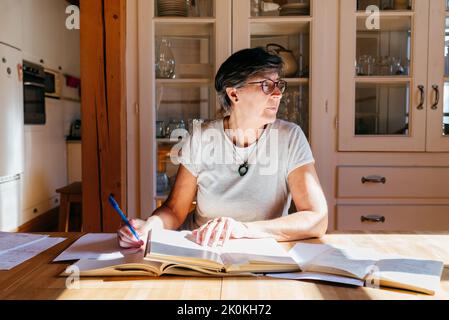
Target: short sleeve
299	152
188	155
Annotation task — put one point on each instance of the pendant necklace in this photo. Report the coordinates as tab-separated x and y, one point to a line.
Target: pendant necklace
244	167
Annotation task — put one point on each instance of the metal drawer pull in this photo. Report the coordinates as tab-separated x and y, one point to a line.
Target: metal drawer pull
437	97
372	218
421	103
374	179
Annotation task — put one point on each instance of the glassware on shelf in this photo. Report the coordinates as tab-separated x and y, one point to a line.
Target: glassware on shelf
160	129
162	183
255	8
165	60
366	65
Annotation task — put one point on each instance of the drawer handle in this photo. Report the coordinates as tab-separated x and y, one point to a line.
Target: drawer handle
374	179
372	218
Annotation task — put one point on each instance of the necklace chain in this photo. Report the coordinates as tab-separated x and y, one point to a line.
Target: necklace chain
243	168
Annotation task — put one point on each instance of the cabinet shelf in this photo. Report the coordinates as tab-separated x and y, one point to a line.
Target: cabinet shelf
279	26
389	13
388	23
167	140
183	82
295	81
184	27
383	79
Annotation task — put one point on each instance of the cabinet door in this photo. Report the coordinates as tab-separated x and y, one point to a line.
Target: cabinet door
286	29
183	44
438	85
11	22
383	75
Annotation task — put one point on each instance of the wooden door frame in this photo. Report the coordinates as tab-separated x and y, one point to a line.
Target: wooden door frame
103	111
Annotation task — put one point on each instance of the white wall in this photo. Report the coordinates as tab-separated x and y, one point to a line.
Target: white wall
43	36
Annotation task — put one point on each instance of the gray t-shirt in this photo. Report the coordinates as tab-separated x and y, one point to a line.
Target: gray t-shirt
263	193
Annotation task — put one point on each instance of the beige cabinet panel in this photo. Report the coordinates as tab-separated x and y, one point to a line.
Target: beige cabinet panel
74	169
11	23
393	217
393	182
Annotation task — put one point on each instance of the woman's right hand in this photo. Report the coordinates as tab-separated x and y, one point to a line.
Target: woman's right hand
126	238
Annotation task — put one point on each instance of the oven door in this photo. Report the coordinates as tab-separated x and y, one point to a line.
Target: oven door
52	84
34	102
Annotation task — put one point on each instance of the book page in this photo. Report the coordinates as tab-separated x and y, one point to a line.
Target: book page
98	246
12	240
353	262
177	246
254	251
12	258
303	253
129	265
415	274
318	277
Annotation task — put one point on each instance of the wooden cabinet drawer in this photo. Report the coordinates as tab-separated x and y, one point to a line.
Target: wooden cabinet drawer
393	182
393	217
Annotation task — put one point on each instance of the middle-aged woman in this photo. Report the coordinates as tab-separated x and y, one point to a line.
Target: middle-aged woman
243	197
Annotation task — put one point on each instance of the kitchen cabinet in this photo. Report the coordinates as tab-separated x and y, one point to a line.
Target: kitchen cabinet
11	23
199	43
393	139
392	78
46	40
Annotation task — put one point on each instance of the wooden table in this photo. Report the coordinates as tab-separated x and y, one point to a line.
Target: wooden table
38	278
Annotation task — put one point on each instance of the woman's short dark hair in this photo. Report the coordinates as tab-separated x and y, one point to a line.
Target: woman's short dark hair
241	66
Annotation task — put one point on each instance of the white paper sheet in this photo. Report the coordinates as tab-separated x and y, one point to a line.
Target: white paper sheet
317	276
12	240
12	258
99	246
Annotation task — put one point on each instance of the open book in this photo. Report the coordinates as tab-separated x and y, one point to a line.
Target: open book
173	252
373	268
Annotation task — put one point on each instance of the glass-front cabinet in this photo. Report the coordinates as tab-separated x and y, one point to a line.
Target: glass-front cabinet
283	28
386	102
182	43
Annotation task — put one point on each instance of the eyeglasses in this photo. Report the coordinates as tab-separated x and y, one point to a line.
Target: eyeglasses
269	85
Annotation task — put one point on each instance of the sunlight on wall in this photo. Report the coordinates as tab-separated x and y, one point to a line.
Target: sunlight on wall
10	208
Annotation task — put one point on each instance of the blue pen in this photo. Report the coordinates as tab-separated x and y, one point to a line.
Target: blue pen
115	205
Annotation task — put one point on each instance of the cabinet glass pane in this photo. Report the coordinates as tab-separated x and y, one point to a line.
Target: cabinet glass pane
172	62
184	8
294	48
294	106
280	8
386	51
446	110
382	109
385	4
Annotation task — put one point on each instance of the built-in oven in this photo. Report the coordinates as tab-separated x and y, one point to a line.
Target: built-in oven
33	93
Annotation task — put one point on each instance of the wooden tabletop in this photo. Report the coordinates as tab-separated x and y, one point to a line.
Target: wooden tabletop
38	278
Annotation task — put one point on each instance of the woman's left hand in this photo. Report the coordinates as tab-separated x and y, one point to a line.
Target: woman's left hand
218	229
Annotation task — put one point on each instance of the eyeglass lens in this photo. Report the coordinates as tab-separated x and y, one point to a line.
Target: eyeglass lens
268	86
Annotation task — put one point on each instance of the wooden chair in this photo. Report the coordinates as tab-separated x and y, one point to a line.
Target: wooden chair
69	194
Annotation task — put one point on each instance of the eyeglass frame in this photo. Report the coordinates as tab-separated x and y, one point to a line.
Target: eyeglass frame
276	84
